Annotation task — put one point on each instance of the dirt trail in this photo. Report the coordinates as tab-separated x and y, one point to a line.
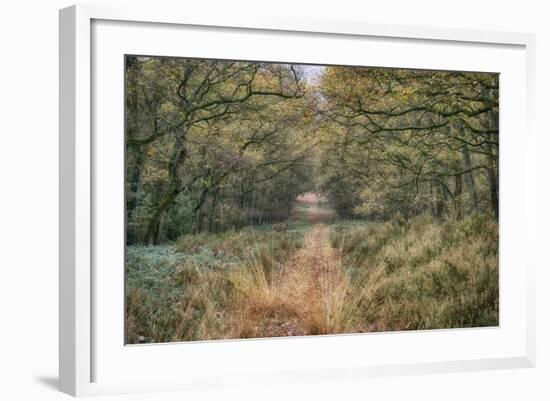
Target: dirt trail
315	285
308	294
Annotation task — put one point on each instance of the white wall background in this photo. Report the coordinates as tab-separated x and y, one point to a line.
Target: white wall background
29	186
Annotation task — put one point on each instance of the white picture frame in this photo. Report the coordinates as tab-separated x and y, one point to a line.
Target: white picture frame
83	344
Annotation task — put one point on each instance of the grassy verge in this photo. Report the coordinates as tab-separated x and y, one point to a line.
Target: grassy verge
421	274
186	291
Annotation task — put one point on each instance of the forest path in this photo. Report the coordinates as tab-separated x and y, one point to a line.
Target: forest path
306	296
315	282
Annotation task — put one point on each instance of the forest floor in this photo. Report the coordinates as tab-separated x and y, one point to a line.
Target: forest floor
322	275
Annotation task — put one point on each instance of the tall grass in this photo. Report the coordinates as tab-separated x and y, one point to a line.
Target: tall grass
306	296
422	274
186	291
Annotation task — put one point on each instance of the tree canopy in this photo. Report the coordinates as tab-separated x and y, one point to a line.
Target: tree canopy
409	141
215	145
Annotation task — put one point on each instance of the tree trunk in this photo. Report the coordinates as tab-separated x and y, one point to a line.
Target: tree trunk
492	161
151	235
212	211
198	220
135	181
198	212
459	212
433	208
177	159
440	196
493	186
161	235
470	181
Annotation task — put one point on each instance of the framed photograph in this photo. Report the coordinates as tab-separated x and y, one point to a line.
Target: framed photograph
276	200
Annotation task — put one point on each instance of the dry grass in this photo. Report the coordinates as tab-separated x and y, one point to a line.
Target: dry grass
187	291
307	296
423	274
